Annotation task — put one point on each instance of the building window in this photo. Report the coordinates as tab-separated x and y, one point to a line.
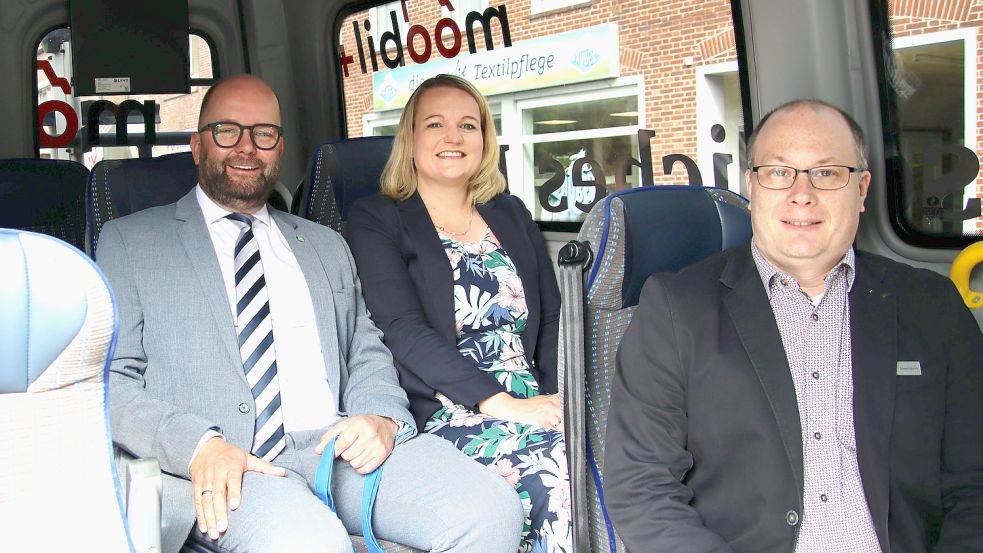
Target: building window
65	117
381	20
575	149
537	7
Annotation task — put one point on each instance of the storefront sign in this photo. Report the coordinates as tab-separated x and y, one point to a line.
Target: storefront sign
572	57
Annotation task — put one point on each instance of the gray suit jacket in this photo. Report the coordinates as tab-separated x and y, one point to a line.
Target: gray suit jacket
177	373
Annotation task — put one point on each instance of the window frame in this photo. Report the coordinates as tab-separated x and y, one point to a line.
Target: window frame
604	89
141	148
884	43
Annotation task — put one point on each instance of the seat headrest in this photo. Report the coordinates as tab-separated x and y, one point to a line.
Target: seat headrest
119	187
140	183
351	168
42	308
667	228
44	195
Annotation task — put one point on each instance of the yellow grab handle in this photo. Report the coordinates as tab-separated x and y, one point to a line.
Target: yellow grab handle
962	267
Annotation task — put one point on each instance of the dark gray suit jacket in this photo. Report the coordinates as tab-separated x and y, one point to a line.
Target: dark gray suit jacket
177	372
704	450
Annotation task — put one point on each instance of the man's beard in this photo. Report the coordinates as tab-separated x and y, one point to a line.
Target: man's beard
229	192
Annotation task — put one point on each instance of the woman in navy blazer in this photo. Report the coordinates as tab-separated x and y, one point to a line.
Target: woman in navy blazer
456	275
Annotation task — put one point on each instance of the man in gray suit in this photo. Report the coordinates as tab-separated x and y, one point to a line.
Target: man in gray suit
792	394
245	346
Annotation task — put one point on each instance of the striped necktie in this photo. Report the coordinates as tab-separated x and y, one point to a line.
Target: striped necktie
255	328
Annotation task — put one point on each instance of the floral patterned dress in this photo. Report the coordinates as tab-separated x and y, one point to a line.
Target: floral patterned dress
490	310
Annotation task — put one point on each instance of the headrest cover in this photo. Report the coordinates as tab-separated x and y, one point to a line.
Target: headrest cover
42	308
667	228
138	184
352	166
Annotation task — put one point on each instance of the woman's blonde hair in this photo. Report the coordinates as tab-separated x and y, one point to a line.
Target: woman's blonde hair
399	177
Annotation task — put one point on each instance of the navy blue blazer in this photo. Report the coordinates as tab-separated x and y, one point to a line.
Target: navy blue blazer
408	286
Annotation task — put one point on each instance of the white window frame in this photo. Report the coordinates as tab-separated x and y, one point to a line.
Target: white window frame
538	7
970	82
461	10
522	168
709	112
379	18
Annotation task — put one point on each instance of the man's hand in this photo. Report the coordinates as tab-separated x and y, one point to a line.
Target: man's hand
542	410
216	473
364	441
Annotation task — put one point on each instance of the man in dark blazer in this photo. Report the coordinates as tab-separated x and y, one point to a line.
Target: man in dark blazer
795	395
182	391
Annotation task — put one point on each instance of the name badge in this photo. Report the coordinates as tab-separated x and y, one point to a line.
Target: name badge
909	368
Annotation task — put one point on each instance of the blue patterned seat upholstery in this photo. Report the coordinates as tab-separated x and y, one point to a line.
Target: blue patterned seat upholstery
635	233
118	187
46	196
59	488
340	173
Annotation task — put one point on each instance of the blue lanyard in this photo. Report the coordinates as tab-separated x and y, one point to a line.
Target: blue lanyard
370	488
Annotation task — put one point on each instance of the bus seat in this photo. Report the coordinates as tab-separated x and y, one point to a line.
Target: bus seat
118	187
57	334
44	195
633	233
340	173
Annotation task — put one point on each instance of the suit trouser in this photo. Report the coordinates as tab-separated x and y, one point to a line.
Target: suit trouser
428	499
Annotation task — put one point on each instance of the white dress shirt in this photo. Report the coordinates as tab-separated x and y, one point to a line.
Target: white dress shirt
306	399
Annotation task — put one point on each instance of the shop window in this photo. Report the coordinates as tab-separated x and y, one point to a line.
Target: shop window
65	132
576	152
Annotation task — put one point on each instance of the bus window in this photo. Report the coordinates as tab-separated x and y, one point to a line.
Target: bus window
589	97
64	131
934	77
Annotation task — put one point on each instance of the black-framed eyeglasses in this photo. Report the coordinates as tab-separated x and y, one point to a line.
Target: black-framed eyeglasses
824	177
227	134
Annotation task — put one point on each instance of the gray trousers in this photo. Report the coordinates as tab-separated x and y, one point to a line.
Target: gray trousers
431	497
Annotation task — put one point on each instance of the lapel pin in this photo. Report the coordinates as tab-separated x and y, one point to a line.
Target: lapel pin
300	238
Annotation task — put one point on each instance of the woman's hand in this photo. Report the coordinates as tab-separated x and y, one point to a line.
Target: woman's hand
543	410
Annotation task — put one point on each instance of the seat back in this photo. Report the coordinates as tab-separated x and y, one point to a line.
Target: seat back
634	234
44	195
118	187
340	173
57	334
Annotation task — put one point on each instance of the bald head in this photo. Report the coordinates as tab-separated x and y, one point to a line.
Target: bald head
241	87
815	106
237	174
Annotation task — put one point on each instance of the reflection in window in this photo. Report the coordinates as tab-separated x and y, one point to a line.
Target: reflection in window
573	175
932	112
173	116
932	72
576	152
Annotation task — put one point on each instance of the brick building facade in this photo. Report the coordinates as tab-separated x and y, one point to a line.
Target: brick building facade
682	55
